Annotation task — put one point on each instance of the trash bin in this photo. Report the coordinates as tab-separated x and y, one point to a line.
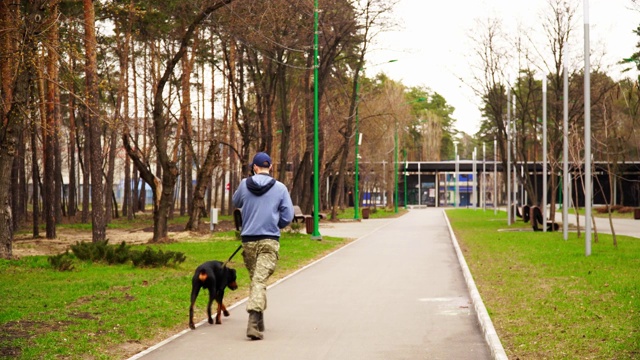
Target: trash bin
365	213
308	222
636	213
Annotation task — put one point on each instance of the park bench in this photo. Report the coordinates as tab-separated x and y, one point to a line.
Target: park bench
537	220
298	216
523	212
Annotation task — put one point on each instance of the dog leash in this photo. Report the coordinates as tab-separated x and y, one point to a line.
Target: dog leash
232	255
237	219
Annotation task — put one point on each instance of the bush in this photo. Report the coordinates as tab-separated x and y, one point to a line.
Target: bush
102	252
118	255
626	209
61	262
295	227
152	258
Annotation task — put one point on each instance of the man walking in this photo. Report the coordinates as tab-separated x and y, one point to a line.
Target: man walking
266	208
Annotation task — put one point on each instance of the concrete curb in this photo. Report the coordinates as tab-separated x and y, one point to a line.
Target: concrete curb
490	335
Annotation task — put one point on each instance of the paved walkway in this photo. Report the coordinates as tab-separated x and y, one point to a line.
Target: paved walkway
629	227
397	292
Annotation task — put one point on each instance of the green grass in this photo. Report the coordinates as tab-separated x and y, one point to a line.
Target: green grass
548	300
107	312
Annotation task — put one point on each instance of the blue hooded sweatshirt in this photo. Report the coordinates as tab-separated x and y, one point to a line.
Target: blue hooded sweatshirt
266	207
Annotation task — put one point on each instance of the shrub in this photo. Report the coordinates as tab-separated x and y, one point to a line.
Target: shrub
92	251
295	227
118	254
625	209
121	254
61	262
101	251
153	258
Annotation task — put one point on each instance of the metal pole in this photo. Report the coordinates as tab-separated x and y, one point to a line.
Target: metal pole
509	155
455	193
474	182
544	154
565	152
515	160
495	176
316	152
484	176
406	165
395	193
419	185
587	132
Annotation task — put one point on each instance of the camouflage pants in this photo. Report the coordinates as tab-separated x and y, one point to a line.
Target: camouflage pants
260	258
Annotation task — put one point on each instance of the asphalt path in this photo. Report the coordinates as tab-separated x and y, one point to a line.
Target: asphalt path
397	292
628	227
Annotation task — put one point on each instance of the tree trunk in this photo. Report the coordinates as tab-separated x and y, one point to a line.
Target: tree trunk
72	153
110	203
47	101
98	222
85	163
35	179
210	162
14	119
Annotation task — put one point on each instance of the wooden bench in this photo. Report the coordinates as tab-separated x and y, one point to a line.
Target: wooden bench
523	212
537	220
298	216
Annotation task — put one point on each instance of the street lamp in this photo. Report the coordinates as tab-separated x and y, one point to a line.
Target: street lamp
508	134
565	150
455	193
316	152
484	176
356	195
395	192
495	175
405	177
544	154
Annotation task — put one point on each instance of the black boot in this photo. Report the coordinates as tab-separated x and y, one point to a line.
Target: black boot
252	327
261	322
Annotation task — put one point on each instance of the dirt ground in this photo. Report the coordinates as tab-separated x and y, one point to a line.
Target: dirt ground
26	245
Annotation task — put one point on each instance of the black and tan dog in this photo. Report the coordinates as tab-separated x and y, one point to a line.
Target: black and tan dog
214	276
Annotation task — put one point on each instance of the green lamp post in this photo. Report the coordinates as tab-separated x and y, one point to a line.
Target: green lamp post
356	194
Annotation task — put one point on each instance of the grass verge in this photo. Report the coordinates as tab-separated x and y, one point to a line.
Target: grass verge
546	299
112	312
